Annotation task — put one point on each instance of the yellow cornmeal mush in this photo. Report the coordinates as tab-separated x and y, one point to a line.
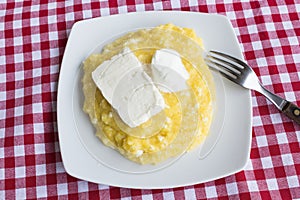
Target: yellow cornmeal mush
187	115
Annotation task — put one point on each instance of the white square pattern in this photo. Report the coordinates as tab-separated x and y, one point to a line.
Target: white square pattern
287	159
261	62
18	10
248	13
140	7
266	80
53	86
54	69
54	52
193	2
41	191
175	4
146	197
19	93
190	194
2	96
36	55
266	162
62	188
257	45
2	77
104	11
262	141
168	195
211	192
298	8
296	58
35	38
248	165
293	40
53	36
70	16
287	25
279	60
283	9
2	151
293	181
2	114
157	6
52	5
38	127
285	78
231	15
83	186
252	185
37	89
211	2
257	121
275	43
281	138
35	8
18	111
232	188
52	19
39	148
20	172
2	174
270	26
34	22
20	193
60	168
40	170
272	184
36	72
276	118
266	10
17	24
18	41
290	96
103	187
1	28
19	150
254	101
37	108
87	14
18	130
122	9
19	75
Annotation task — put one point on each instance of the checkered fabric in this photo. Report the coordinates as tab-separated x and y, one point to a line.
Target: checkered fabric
33	35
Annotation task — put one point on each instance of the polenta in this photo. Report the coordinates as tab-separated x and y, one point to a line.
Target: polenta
186	119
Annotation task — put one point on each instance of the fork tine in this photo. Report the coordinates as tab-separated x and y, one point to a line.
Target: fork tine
224	67
231	58
229	77
232	77
235	69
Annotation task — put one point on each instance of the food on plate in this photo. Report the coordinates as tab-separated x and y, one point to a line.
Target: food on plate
149	93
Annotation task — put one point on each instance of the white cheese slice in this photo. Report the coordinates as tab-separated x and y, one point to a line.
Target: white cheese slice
127	87
168	71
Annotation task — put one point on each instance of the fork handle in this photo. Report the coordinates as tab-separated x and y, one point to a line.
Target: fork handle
292	111
289	109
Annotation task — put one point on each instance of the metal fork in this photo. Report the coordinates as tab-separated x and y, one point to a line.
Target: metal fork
242	74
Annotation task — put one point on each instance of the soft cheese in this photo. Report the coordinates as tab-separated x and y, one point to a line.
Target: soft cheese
127	87
168	71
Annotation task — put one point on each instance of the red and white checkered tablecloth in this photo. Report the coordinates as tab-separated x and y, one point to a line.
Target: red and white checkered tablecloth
33	35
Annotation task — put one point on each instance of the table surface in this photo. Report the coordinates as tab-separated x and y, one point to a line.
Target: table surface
32	41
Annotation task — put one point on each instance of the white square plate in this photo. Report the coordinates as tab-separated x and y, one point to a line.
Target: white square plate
225	151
